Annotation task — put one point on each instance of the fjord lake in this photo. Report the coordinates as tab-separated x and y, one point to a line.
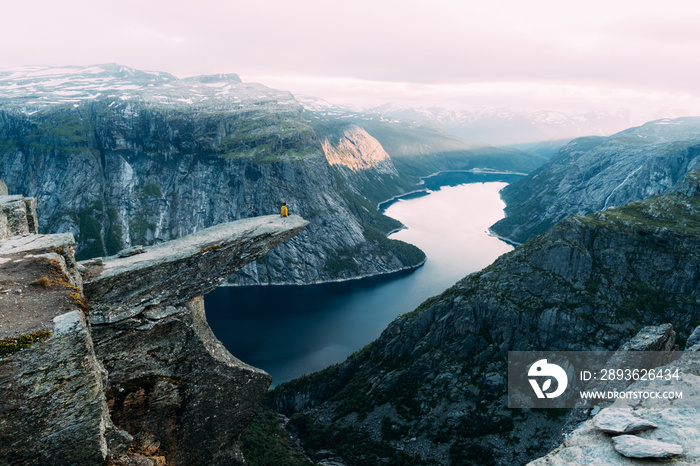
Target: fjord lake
293	330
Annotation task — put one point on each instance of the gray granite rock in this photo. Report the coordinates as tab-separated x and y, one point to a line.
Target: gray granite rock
149	172
677	424
612	421
652	338
60	247
175	388
632	446
172	389
17	216
693	342
174	272
52	402
132	251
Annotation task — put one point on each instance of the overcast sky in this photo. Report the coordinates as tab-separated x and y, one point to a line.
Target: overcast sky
556	54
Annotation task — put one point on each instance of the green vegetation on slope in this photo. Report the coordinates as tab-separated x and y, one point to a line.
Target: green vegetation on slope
421	149
265	443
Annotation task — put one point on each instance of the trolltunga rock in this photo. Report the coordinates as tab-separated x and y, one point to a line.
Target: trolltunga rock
175	272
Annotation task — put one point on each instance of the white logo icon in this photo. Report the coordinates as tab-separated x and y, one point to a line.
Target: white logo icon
543	369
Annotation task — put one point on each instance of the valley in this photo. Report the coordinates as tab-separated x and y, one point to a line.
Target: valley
144	191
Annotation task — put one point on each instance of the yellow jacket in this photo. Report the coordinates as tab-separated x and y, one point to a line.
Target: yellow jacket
283	213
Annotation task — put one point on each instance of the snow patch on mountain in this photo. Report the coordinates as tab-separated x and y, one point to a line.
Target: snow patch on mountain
32	88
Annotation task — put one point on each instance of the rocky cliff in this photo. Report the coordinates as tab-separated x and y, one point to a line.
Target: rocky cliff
596	173
432	387
121	157
134	158
111	361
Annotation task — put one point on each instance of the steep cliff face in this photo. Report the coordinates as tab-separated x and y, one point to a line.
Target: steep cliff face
111	360
130	173
123	157
420	149
597	173
357	151
433	385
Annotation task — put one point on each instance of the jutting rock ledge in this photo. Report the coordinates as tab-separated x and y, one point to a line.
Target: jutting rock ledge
124	368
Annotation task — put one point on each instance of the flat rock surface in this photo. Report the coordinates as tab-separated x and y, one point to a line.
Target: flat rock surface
179	270
632	446
613	421
35	285
36	244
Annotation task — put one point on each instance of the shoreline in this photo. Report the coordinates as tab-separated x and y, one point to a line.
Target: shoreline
476	171
424	191
391	200
381	207
505	239
409	268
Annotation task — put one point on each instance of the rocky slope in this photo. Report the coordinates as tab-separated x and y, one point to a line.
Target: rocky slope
596	173
432	387
111	361
121	157
627	433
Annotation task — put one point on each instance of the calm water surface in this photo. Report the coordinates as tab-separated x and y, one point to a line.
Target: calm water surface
293	330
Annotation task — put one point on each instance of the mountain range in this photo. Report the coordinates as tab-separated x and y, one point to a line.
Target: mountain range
126	159
121	157
596	173
497	126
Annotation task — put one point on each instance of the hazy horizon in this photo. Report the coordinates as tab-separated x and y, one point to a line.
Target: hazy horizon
538	55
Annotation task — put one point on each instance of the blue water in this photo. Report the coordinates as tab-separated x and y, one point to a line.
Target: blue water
293	330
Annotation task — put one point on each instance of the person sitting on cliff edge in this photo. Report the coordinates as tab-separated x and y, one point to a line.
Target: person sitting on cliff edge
283	212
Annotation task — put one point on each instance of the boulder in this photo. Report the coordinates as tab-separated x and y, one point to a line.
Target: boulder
652	338
693	342
632	446
17	216
616	422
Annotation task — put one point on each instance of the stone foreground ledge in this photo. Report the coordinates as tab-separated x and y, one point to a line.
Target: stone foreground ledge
52	401
175	272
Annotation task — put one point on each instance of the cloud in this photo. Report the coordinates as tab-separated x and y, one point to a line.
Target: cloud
151	34
514	94
410	45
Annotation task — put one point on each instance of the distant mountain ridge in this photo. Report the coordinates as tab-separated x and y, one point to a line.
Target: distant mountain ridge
35	87
596	173
497	126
